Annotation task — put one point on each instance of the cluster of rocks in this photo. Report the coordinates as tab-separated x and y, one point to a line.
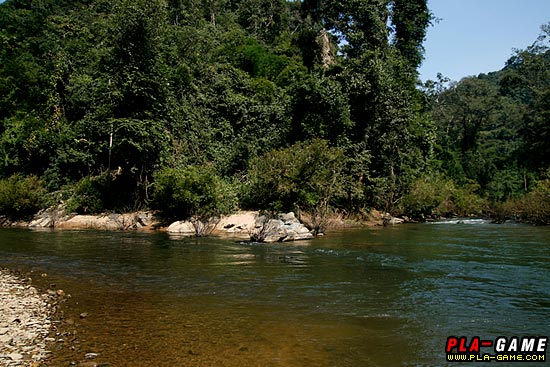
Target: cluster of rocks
282	229
240	224
24	322
245	224
252	225
388	220
57	218
129	221
49	218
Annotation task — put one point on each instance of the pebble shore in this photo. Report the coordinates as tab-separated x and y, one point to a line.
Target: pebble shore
25	322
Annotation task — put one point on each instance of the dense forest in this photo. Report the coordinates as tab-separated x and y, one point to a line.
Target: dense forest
196	108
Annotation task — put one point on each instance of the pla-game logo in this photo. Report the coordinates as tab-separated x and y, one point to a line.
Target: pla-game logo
502	349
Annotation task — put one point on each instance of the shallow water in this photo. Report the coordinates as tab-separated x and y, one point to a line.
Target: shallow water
370	297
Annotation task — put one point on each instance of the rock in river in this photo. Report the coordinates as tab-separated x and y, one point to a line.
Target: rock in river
286	228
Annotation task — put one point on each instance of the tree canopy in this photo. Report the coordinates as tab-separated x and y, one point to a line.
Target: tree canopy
125	89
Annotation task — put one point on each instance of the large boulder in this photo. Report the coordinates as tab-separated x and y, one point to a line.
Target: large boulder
238	224
56	217
181	227
391	221
42	222
286	228
102	222
49	218
140	220
146	220
296	232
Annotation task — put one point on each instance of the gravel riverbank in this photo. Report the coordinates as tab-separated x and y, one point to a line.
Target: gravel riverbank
25	322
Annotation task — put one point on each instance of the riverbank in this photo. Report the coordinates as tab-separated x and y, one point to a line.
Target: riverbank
243	224
25	322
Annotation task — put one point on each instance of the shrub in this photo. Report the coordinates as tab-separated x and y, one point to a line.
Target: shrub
306	176
303	175
115	190
465	201
434	195
90	195
191	192
506	184
21	197
533	207
425	195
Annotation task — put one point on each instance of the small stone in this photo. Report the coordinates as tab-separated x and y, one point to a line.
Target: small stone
87	364
15	356
83	315
60	293
91	355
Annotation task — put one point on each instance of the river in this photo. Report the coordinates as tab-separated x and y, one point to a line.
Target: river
361	297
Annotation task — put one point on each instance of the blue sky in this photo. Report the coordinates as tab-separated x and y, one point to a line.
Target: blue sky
478	36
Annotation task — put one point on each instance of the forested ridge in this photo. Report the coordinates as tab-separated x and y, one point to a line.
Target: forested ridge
197	108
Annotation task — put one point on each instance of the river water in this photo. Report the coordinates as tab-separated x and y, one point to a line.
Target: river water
363	297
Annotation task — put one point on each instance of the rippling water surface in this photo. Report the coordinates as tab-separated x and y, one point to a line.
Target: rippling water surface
372	297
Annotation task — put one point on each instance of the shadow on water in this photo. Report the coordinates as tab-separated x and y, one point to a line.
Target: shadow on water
358	298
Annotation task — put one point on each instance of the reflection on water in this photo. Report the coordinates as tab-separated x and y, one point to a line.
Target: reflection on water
375	297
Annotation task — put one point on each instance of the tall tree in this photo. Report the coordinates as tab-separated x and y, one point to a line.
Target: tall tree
362	24
410	19
134	60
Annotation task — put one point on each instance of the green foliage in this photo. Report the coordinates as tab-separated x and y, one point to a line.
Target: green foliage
362	24
110	191
389	120
189	83
133	60
138	144
240	118
21	197
506	184
536	131
191	192
264	19
410	19
434	196
25	145
492	129
319	109
258	61
306	176
465	109
91	195
533	207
